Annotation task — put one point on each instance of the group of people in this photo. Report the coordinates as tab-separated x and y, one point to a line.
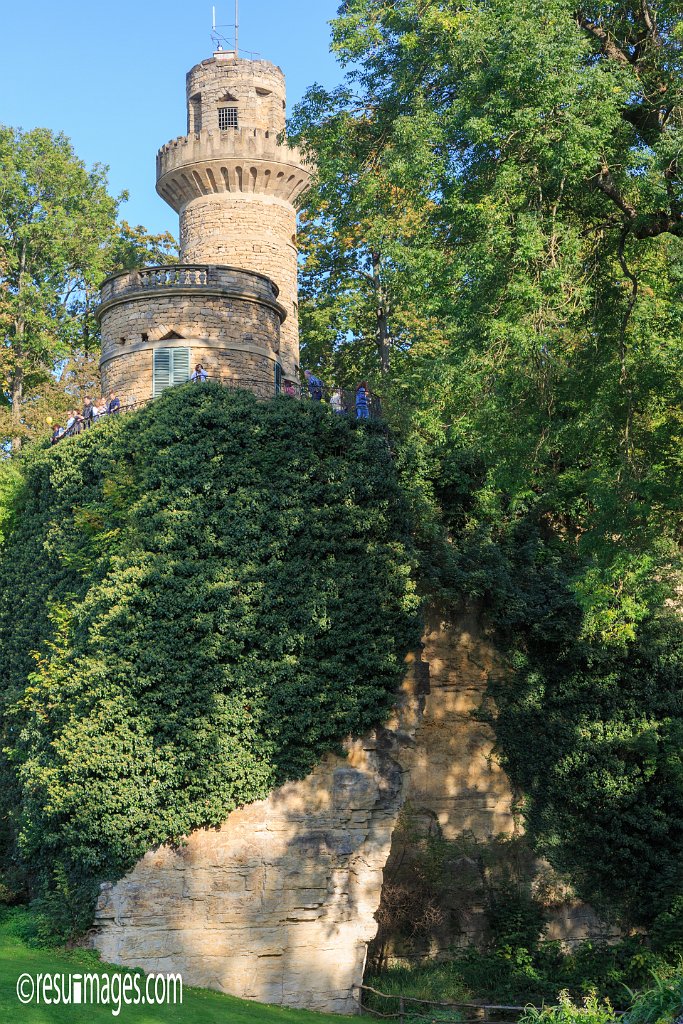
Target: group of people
91	412
356	403
338	402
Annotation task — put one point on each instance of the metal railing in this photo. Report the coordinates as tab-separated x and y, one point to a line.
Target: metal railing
342	401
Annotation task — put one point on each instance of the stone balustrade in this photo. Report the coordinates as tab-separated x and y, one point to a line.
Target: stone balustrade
186	276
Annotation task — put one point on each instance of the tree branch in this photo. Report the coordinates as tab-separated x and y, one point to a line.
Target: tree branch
604	182
607	42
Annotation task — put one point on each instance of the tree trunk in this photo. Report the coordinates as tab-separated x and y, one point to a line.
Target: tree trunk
382	318
17	396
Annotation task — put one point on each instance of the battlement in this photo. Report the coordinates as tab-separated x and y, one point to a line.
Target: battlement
235	183
198	147
246	160
261	69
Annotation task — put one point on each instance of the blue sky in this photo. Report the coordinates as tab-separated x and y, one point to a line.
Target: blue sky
111	75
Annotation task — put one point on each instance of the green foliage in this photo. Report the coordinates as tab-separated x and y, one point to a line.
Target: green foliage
11	482
56	219
198	601
589	1011
604	790
135	247
58	239
438	983
661	1003
516	167
517	976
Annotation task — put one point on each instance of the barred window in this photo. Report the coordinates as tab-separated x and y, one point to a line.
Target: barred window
227	118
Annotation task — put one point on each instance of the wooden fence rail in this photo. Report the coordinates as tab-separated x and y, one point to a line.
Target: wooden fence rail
409	1006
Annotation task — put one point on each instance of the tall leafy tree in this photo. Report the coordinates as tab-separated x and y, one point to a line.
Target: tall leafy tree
56	221
59	238
536	145
534	150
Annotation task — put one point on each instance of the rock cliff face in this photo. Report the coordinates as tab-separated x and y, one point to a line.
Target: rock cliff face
277	905
452	771
455	785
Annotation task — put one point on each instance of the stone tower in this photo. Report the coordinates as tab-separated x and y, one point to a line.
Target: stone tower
232	302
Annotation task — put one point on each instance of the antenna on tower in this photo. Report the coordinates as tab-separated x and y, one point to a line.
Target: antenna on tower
221	34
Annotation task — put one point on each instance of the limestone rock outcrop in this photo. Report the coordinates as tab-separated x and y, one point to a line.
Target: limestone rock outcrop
278	904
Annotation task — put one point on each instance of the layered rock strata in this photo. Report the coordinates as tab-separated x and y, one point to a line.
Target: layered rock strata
278	904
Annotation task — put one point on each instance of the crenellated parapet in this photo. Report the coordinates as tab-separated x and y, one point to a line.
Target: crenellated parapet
243	160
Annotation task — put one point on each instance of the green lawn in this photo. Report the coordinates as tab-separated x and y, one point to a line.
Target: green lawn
19	955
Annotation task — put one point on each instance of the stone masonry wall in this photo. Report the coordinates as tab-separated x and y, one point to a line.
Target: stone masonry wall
257	89
131	378
277	905
257	233
231	337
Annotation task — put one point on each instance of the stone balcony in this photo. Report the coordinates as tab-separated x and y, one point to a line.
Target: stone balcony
237	160
189	279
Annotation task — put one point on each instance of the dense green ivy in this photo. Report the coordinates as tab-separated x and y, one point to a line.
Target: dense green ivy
589	729
196	603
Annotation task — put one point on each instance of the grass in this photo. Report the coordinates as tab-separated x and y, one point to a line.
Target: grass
439	983
20	954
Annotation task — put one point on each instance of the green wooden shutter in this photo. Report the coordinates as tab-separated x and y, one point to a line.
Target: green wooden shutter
162	370
171	366
180	372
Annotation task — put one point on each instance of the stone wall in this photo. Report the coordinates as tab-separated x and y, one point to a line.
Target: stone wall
455	784
256	232
230	323
278	904
255	87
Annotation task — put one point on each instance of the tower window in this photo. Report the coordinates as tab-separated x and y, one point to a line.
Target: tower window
227	118
171	366
195	124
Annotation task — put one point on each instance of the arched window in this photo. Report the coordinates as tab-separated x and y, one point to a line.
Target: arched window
195	113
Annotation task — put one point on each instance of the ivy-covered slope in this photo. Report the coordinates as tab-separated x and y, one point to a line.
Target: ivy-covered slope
196	603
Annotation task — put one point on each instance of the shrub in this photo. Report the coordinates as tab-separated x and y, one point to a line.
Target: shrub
589	1011
197	601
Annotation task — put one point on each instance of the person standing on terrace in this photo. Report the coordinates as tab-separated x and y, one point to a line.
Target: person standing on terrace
315	386
88	412
362	405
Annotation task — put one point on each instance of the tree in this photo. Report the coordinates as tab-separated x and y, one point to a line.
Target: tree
56	223
363	241
135	247
536	151
538	142
59	239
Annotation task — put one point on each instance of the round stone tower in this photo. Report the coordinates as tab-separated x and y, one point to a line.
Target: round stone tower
232	302
235	182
